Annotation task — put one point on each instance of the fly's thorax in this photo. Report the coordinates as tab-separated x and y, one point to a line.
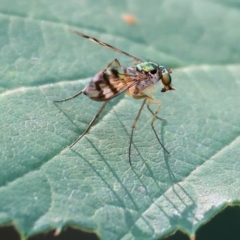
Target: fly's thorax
148	81
149	73
122	71
148	67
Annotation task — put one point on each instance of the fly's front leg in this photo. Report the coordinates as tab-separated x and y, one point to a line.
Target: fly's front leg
152	100
155	101
150	110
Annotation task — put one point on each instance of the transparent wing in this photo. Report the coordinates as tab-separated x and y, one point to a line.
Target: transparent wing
110	83
106	45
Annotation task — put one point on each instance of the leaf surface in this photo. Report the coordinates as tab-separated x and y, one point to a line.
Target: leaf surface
45	185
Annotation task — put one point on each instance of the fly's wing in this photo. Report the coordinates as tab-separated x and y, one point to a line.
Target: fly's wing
106	45
112	82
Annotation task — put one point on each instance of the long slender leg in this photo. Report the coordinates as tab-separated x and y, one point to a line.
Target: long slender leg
148	99
157	110
111	63
90	124
153	119
99	111
150	110
159	140
148	102
66	99
133	127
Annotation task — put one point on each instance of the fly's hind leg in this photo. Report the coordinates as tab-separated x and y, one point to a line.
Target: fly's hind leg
116	62
90	124
66	99
101	108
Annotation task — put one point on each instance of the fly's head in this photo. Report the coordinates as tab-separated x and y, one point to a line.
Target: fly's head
154	69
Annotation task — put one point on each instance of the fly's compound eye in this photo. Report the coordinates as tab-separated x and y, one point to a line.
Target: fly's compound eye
166	80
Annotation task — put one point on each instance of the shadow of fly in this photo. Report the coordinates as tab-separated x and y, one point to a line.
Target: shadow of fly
138	81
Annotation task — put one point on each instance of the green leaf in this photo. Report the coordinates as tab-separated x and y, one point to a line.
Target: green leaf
45	185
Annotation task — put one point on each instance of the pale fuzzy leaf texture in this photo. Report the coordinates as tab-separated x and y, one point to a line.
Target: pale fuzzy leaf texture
45	185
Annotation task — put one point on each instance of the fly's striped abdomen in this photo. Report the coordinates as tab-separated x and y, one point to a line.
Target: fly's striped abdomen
109	83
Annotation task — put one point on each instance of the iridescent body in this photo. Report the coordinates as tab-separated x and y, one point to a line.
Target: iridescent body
135	81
